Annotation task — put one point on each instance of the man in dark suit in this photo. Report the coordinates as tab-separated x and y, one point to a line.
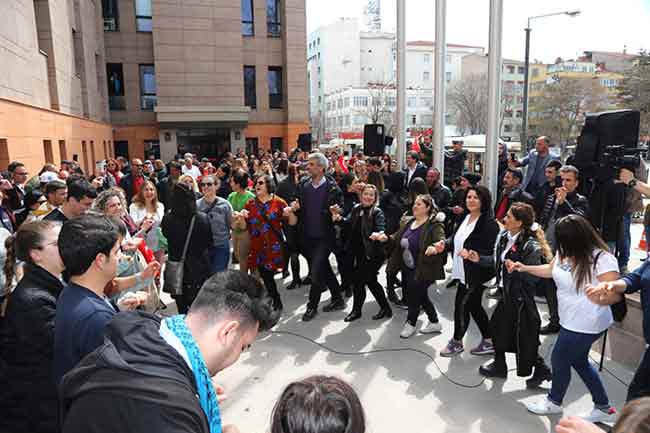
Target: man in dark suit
512	192
414	168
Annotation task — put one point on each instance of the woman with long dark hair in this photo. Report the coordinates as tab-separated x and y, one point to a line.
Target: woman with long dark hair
364	252
419	262
28	400
176	226
474	238
515	322
582	260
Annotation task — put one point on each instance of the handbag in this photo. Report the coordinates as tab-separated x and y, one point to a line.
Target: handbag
173	275
284	246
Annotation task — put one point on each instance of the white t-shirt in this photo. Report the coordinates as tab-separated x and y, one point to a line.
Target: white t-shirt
577	313
192	171
458	268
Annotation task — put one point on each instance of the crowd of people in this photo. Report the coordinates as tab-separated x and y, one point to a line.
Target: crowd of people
83	258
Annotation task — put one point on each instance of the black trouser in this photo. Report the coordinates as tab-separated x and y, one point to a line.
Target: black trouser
344	267
365	274
184	300
640	385
469	302
551	298
418	297
269	282
318	252
294	262
500	360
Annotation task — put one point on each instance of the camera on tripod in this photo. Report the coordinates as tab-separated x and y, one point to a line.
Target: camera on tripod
619	156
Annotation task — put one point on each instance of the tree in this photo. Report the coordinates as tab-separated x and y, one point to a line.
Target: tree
561	106
468	98
379	108
634	89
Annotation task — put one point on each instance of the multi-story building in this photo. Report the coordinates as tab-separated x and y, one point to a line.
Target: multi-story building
512	91
206	77
53	102
87	80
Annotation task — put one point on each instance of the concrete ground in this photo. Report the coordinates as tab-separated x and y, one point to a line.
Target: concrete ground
401	388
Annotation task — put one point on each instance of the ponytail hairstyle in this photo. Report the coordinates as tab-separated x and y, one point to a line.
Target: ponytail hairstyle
524	213
30	236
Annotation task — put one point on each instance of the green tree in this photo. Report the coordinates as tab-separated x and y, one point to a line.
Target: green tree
634	89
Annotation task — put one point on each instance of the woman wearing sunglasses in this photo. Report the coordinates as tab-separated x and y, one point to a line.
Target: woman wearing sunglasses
219	213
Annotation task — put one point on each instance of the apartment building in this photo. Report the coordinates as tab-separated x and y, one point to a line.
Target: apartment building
53	96
90	79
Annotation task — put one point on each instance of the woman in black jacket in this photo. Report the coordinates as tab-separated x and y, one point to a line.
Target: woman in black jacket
175	226
515	322
28	401
474	238
364	251
287	190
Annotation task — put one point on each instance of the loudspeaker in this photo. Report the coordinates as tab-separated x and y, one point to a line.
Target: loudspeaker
388	141
304	142
373	139
609	128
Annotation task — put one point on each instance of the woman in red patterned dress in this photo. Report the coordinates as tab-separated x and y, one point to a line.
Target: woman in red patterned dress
265	222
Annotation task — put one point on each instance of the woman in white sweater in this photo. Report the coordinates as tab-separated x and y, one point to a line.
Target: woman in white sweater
146	207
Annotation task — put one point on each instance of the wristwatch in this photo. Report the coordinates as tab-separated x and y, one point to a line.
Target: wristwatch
632	183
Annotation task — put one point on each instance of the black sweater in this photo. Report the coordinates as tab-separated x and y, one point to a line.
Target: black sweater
135	382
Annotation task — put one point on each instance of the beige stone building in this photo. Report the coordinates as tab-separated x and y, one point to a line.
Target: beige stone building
89	79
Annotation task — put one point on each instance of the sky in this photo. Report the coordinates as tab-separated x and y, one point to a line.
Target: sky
603	25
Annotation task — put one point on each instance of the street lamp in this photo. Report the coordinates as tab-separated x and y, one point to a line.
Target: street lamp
524	126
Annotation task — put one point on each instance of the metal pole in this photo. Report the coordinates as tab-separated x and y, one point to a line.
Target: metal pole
524	121
440	85
401	83
494	96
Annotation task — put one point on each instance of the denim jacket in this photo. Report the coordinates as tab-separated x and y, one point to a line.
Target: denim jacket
639	281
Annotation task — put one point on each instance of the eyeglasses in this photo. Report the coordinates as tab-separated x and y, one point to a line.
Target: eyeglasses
138	165
206	184
261	182
24	173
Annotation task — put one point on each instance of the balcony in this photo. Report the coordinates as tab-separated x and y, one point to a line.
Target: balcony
111	25
148	102
116	103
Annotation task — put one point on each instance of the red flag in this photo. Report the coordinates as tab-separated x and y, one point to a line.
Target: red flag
416	144
341	163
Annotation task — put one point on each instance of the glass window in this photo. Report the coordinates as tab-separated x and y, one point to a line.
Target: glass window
147	87
426	76
143	15
111	16
448	58
427	102
252	147
275	87
511	69
412	101
521	70
250	94
276	144
427	58
247	18
391	101
273	18
448	76
115	79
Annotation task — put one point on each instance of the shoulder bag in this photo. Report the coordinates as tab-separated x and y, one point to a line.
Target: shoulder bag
173	275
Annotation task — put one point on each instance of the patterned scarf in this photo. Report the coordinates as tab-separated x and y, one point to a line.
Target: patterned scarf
205	388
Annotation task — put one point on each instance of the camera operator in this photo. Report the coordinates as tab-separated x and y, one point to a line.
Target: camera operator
633	203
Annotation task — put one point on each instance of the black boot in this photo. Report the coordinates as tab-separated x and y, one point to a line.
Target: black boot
294	285
541	374
354	315
391	295
306	281
384	313
493	370
335	304
347	291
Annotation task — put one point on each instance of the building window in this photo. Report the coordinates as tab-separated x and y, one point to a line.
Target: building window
111	16
507	128
47	151
448	58
521	70
414	119
339	103
427	59
250	95
252	146
426	102
147	87
391	101
63	151
275	87
412	101
115	79
448	76
276	144
247	18
507	113
426	76
143	15
346	101
511	69
360	101
273	18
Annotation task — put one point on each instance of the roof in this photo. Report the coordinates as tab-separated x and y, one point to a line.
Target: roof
432	43
613	54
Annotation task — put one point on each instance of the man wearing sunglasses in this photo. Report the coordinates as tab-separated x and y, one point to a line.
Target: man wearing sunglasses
219	212
132	182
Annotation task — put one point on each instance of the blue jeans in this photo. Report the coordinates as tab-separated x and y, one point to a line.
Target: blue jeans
572	350
625	245
219	258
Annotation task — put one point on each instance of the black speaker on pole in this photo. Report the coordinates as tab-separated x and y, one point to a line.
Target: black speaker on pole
609	128
304	142
373	139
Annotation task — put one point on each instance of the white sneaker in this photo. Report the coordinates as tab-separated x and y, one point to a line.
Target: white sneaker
431	328
599	415
544	407
407	331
